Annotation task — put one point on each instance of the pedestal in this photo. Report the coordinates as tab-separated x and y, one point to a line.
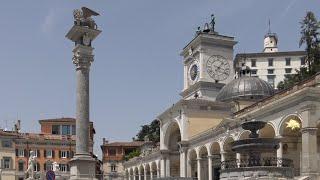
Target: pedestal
83	167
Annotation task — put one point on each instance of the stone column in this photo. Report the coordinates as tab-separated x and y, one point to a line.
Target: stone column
140	178
151	174
223	158
163	168
183	159
167	167
210	174
144	173
158	173
309	129
199	168
238	157
82	164
279	154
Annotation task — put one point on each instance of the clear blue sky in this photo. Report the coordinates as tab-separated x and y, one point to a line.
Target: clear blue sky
137	71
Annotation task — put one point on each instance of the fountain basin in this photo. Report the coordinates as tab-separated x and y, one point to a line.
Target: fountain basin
255	144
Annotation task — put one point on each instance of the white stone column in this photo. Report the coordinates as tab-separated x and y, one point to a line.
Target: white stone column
199	168
151	174
210	174
167	167
223	158
238	157
309	151
309	166
129	177
189	168
279	154
158	173
183	162
162	168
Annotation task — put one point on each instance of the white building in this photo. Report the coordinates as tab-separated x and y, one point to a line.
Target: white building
272	65
197	132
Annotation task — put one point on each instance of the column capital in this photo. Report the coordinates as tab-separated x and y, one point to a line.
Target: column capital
311	130
308	107
82	56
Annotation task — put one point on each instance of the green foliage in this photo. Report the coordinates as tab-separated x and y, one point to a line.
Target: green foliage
132	154
310	38
151	131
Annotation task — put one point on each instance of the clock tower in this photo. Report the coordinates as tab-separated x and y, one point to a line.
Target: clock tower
208	63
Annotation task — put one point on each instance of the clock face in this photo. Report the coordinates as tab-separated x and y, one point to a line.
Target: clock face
218	67
194	72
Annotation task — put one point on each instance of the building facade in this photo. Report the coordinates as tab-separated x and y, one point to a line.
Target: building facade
197	132
114	154
55	143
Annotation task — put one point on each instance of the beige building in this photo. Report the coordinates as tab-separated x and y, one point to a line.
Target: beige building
7	155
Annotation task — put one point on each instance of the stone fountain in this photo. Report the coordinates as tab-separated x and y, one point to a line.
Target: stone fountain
254	165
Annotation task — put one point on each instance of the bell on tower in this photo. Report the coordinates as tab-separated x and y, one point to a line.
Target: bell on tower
270	41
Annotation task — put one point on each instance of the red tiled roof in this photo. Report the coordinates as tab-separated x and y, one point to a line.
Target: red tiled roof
127	144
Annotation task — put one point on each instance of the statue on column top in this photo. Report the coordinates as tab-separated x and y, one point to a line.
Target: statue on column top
83	17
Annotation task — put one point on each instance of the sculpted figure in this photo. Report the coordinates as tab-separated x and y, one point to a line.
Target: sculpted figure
31	163
55	167
83	17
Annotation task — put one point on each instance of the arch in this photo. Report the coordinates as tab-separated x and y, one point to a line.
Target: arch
216	159
244	135
147	170
289	129
172	135
228	153
136	172
285	130
203	158
192	163
153	169
268	131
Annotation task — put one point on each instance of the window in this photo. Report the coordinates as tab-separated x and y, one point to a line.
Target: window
303	60
112	152
288	61
64	154
253	63
6	162
48	153
36	152
21	152
271	80
73	129
6	143
64	167
288	70
21	166
65	129
270	71
270	62
254	71
48	166
55	129
36	167
113	168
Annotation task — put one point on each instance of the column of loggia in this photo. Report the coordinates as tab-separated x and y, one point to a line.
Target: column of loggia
309	141
144	172
279	152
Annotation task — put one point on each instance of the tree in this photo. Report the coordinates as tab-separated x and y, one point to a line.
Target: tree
310	38
151	131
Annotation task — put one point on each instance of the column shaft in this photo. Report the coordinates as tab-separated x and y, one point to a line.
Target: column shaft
183	164
162	168
82	114
199	169
210	167
279	154
309	151
168	167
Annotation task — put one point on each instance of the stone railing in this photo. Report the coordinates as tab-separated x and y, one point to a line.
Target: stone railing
263	161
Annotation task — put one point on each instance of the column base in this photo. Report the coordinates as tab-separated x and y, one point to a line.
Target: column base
83	167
